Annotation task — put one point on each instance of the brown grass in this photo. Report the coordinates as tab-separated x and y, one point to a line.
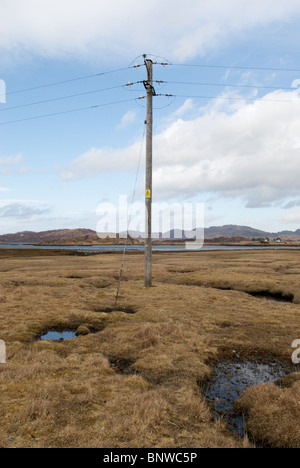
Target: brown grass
198	312
272	414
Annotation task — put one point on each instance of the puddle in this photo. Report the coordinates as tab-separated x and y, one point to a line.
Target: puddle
75	277
275	298
59	336
229	381
275	301
109	310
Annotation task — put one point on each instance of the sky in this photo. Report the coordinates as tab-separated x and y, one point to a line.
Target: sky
72	129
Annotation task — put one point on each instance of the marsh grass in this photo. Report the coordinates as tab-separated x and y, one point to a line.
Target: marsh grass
272	414
198	312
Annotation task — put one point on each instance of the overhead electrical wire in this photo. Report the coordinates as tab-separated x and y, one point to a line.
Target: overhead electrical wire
56	83
138	82
166	63
225	85
66	97
234	67
68	111
186	96
169	95
230	98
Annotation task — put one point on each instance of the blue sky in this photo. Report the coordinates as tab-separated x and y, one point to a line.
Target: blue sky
231	141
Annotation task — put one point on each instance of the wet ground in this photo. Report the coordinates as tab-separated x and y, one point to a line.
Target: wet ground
278	298
59	336
229	381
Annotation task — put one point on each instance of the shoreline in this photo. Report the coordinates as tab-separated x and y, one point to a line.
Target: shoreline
52	252
155	244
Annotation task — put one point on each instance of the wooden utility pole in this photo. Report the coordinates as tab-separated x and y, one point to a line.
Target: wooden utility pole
148	195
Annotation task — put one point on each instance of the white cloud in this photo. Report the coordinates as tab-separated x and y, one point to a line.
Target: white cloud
180	30
11	160
247	150
127	119
18	215
99	160
186	106
11	165
251	153
292	204
20	211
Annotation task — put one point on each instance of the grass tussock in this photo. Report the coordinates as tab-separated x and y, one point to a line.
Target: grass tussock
272	414
132	377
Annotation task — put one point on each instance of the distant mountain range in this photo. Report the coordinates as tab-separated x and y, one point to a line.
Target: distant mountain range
245	231
57	236
88	236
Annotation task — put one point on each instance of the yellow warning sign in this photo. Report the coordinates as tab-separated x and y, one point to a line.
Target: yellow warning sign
148	193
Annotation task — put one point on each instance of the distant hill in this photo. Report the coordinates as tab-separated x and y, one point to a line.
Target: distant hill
57	236
290	233
88	236
236	231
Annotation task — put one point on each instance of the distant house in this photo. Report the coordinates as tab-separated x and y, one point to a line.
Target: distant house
262	240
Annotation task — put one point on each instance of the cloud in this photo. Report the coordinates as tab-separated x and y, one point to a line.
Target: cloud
21	211
11	160
127	119
179	30
251	152
242	149
25	215
292	204
100	160
9	165
186	106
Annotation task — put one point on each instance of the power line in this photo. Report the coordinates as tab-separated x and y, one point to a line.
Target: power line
224	67
224	85
165	63
68	111
229	98
228	67
48	85
169	95
66	97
